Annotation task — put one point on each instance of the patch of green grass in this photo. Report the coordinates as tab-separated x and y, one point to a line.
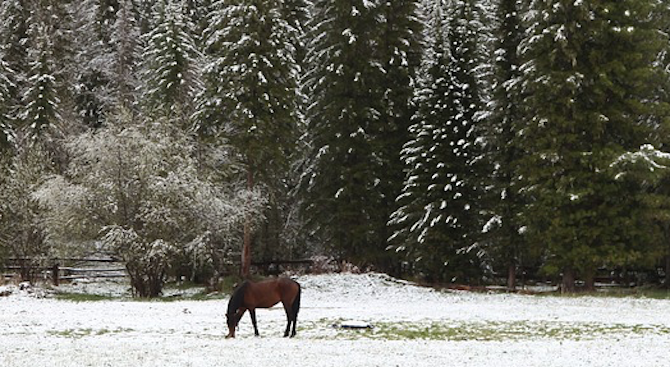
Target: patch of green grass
82	297
81	333
615	292
72	333
653	293
493	330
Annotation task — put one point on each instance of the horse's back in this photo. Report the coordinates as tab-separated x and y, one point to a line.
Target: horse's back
268	293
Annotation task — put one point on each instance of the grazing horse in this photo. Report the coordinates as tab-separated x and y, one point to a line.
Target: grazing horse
265	294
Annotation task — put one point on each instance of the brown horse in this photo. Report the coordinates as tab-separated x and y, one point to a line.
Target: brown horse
265	294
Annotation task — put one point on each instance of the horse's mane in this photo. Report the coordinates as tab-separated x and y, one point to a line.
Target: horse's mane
237	298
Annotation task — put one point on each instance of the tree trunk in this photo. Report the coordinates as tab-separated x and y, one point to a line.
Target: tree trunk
590	280
511	277
246	249
568	283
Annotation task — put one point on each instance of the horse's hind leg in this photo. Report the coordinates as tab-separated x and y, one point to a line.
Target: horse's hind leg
295	321
288	320
252	313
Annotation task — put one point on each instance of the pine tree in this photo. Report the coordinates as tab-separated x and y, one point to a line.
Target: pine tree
14	45
14	39
126	54
56	19
296	14
587	75
6	125
504	125
198	11
399	55
437	223
91	41
341	186
250	92
42	102
171	63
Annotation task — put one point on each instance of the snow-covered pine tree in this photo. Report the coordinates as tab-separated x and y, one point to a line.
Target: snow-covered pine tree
663	16
340	184
296	14
505	242
143	12
399	56
588	79
56	18
6	125
14	45
91	40
437	223
250	92
41	111
198	12
171	70
14	39
126	56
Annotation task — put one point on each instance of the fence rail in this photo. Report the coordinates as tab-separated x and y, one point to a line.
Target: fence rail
90	267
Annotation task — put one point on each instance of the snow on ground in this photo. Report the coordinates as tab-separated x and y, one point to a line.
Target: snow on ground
412	326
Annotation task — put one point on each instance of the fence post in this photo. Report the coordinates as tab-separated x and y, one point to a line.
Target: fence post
54	275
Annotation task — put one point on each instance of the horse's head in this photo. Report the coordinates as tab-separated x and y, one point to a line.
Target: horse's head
232	319
236	309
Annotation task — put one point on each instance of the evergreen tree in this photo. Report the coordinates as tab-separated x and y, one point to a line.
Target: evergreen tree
55	18
14	45
171	63
437	223
296	14
399	54
126	53
340	185
41	99
505	226
144	11
92	58
6	126
250	92
588	74
663	19
105	18
14	39
198	12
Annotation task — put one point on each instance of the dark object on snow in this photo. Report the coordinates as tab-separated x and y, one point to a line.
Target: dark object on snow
353	325
250	296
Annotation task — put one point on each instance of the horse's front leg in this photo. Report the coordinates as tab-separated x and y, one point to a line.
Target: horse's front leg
252	313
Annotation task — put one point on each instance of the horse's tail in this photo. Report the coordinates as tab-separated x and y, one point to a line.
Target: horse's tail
296	302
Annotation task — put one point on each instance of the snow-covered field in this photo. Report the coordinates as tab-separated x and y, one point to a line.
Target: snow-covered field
413	326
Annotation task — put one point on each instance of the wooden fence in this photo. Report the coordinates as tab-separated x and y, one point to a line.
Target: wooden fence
91	268
109	267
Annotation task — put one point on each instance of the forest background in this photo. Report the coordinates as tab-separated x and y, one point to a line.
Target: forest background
457	141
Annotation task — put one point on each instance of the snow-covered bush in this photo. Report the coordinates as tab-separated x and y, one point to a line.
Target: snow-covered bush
136	190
